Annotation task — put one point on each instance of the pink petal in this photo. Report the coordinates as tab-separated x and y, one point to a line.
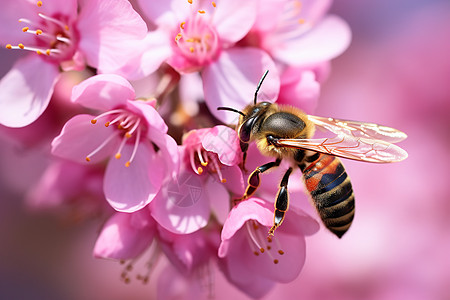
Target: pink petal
231	81
234	18
119	239
300	89
102	23
148	55
182	206
66	8
324	41
164	13
235	181
219	198
79	137
23	95
10	29
169	152
151	116
103	92
225	142
129	189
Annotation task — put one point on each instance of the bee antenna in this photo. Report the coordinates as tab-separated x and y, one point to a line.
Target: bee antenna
259	85
231	109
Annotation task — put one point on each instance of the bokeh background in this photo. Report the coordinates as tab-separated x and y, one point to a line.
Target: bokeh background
396	72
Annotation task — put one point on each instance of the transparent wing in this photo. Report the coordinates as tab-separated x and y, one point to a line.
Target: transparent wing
359	129
346	146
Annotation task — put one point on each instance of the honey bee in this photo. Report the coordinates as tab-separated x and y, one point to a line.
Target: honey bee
285	132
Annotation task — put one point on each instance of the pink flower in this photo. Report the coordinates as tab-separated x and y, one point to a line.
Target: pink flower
60	39
133	130
209	176
252	261
298	33
201	36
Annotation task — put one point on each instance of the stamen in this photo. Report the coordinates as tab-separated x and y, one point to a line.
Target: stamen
119	151
217	167
213	4
253	238
39	3
136	144
190	1
178	37
182	27
200	157
201	11
105	142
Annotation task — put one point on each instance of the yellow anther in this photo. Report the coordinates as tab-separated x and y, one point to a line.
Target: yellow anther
88	158
191	49
39	3
21	46
127	135
9	46
47	52
39	52
261	250
200	170
38	32
256	253
190	40
66	27
213	4
25	29
127	164
178	37
93	121
275	261
281	252
106	124
205	163
201	11
118	155
182	25
190	1
301	21
224	180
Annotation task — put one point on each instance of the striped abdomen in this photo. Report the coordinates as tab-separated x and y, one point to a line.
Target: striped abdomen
331	191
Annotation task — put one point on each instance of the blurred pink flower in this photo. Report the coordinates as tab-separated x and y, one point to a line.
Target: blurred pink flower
299	33
209	176
60	39
139	134
254	262
200	36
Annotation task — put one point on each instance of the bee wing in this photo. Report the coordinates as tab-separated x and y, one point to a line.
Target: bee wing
346	146
359	129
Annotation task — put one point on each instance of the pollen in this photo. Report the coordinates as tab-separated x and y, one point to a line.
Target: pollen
38	32
204	163
301	21
47	52
25	29
178	37
127	135
9	46
223	180
191	49
39	52
21	46
201	11
213	4
127	164
281	252
182	26
88	159
106	124
39	3
118	155
93	121
275	261
190	1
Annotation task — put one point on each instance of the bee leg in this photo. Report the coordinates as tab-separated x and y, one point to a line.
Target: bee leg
244	148
282	202
253	179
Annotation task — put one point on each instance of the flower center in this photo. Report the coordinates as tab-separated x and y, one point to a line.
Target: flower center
260	245
127	124
54	36
197	40
198	155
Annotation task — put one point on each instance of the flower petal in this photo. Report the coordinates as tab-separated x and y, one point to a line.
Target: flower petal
225	142
325	41
119	239
129	189
182	206
79	137
23	95
103	92
232	80
151	116
234	18
102	23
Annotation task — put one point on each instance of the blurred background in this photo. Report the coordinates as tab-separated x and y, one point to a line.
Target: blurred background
397	73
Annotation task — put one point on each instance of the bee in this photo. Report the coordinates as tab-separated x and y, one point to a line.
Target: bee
285	132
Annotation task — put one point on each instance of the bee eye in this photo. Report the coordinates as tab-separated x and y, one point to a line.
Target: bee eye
246	129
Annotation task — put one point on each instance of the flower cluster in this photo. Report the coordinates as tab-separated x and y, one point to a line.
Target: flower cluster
133	89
